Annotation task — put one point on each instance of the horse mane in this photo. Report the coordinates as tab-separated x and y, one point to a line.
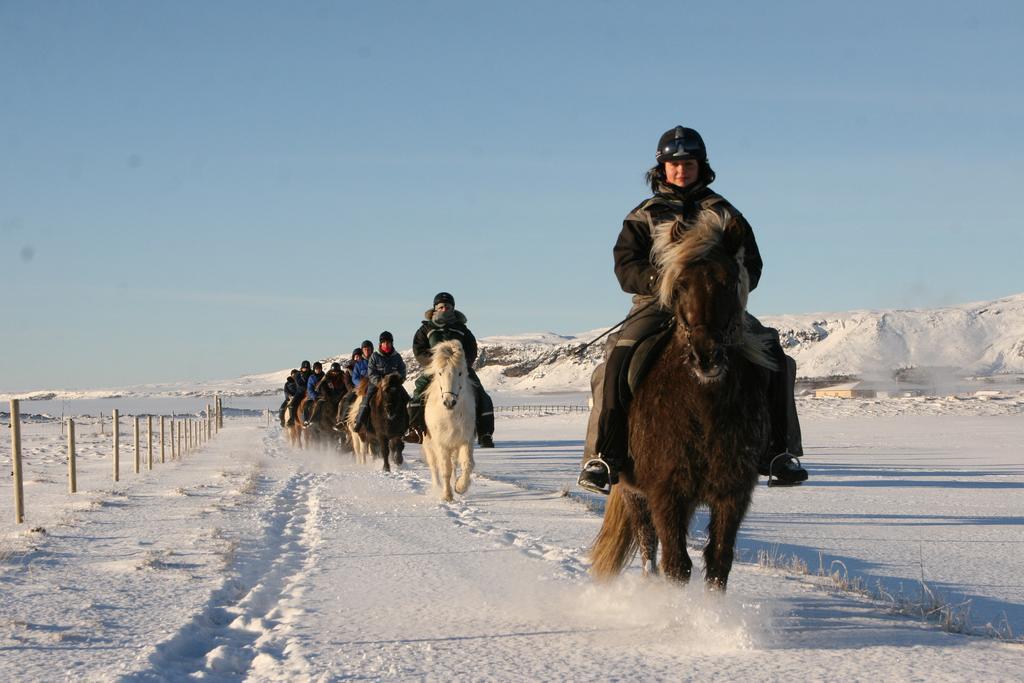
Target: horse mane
446	354
364	384
679	245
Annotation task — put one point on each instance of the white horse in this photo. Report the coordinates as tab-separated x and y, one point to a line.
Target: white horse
450	414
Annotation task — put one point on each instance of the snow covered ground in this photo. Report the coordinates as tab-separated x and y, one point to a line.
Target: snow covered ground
249	561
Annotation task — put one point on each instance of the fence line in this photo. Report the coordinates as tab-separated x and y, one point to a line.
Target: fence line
557	408
200	431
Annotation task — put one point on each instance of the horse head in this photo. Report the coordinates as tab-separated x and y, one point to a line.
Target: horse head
393	397
702	278
448	367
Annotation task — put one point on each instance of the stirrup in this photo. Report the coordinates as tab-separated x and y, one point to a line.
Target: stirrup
775	477
590	486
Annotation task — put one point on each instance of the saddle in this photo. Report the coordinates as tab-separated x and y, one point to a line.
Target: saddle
645	352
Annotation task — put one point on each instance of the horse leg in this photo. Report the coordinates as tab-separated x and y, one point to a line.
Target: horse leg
397	447
647	536
385	451
466	466
671	515
431	457
726	516
447	463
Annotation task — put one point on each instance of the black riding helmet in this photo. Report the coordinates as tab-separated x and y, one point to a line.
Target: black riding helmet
444	298
386	336
367	344
679	144
336	366
318	366
305	365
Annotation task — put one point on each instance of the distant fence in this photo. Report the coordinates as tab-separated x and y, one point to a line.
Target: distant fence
178	435
571	408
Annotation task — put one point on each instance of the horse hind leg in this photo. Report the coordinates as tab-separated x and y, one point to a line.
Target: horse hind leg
385	452
646	535
724	525
466	465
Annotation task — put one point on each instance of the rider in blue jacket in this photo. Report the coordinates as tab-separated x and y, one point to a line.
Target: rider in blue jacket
311	383
361	367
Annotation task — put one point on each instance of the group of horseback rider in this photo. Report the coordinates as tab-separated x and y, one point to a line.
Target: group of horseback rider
338	386
679	181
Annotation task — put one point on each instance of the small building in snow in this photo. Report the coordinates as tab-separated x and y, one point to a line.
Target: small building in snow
847	390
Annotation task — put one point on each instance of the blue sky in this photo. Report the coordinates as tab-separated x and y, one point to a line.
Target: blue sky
200	190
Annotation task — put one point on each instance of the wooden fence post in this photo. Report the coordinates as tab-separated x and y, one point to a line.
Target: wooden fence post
19	492
209	421
138	456
149	439
162	458
72	469
174	449
116	427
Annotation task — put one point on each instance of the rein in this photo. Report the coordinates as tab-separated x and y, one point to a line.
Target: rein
582	349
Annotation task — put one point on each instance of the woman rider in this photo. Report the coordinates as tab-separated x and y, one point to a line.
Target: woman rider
680	182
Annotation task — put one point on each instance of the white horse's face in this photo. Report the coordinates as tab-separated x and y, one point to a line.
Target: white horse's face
450	376
450	382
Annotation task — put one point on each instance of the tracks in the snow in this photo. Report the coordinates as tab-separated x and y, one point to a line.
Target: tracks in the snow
246	625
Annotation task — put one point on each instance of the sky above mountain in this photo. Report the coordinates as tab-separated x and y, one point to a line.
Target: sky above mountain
195	190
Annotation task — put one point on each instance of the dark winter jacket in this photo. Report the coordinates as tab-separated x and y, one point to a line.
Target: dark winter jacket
382	365
291	389
359	370
311	383
431	334
633	266
302	381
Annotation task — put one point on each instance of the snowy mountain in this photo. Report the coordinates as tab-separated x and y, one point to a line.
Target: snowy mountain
980	339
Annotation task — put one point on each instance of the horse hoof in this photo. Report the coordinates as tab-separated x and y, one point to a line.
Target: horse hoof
399	459
461	488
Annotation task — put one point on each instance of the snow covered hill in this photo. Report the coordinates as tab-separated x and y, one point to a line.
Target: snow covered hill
979	339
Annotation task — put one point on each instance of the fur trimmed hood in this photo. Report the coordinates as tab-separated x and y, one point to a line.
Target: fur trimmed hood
428	316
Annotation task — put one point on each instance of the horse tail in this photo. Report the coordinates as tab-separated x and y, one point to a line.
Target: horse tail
617	541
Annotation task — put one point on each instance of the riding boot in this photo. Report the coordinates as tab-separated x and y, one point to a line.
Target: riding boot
780	463
280	413
484	416
612	442
417	423
601	473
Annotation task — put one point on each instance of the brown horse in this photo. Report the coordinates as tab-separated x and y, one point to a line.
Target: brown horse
699	421
321	429
388	417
